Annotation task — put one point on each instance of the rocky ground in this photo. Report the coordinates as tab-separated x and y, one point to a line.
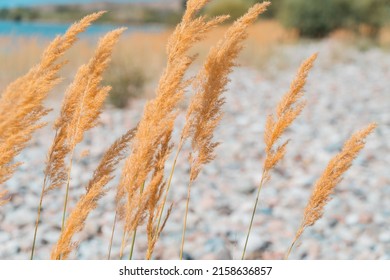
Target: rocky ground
347	89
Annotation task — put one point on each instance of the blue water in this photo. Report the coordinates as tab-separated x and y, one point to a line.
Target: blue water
12	28
51	29
18	3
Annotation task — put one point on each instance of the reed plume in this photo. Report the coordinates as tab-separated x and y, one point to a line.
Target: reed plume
332	175
24	98
160	112
80	110
156	189
204	112
287	111
94	191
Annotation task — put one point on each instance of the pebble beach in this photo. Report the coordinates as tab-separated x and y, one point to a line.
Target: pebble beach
347	89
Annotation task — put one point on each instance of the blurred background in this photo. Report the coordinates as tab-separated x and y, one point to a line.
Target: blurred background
348	88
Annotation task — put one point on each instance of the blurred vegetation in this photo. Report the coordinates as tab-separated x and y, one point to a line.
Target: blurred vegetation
317	18
312	18
118	13
19	14
234	8
127	82
375	13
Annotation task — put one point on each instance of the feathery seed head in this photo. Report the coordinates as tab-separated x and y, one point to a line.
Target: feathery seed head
288	109
24	97
80	110
160	112
204	112
94	191
332	175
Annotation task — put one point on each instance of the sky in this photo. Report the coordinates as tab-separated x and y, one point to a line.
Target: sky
16	3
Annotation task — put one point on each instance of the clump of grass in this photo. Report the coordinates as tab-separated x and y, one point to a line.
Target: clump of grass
204	112
81	107
128	82
287	111
160	113
94	191
332	175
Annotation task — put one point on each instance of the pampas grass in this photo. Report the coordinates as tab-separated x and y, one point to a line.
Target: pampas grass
94	191
84	100
142	192
160	113
81	108
204	112
24	98
287	111
332	175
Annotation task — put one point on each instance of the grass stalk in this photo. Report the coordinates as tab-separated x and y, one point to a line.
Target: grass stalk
169	184
40	208
287	255
112	237
132	244
253	214
185	220
67	192
135	231
122	244
38	219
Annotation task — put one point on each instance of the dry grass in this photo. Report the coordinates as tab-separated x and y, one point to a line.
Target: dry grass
142	190
160	113
94	191
287	111
24	97
332	175
81	108
204	112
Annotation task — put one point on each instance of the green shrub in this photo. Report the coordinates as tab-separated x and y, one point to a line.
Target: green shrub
152	15
127	82
234	8
375	13
313	18
316	18
273	9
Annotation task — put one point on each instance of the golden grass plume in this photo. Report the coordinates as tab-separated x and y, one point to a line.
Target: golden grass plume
332	175
24	98
94	191
204	112
160	112
80	110
287	110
